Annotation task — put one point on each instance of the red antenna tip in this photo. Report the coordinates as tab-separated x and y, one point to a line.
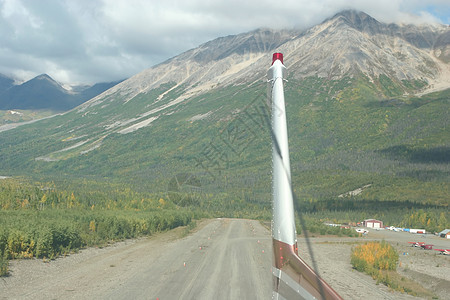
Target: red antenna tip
277	56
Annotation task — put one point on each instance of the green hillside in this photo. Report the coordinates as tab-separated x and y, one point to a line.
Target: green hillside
343	134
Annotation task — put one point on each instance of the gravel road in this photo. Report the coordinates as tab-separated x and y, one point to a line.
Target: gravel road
220	259
223	259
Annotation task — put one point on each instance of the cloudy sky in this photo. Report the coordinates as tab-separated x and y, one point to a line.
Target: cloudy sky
87	41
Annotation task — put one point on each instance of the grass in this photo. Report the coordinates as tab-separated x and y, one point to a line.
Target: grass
397	282
188	229
4	263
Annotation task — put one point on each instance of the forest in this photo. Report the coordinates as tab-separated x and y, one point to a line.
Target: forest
46	220
42	221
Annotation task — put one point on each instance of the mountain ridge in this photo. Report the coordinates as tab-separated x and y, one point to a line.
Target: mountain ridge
401	59
371	48
43	92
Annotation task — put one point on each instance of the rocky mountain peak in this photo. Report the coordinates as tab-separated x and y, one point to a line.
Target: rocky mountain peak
257	41
44	77
353	42
358	20
43	80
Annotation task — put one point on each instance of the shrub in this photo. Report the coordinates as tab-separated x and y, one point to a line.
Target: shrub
373	256
19	245
44	243
3	264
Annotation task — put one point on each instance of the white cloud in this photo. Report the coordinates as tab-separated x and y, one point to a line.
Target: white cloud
98	40
16	13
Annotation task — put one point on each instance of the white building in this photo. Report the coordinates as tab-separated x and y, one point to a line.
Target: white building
445	233
372	223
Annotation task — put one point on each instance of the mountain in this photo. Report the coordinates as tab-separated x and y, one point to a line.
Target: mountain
89	92
354	118
5	83
353	42
349	43
42	92
39	92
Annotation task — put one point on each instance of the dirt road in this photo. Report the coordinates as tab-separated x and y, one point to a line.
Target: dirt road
221	259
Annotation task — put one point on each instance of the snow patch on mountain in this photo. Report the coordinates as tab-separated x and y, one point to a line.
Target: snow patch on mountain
200	116
138	125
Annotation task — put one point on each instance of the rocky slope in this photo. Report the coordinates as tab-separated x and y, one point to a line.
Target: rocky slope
351	42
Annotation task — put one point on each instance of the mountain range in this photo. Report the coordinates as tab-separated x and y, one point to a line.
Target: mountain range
348	43
359	104
42	92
